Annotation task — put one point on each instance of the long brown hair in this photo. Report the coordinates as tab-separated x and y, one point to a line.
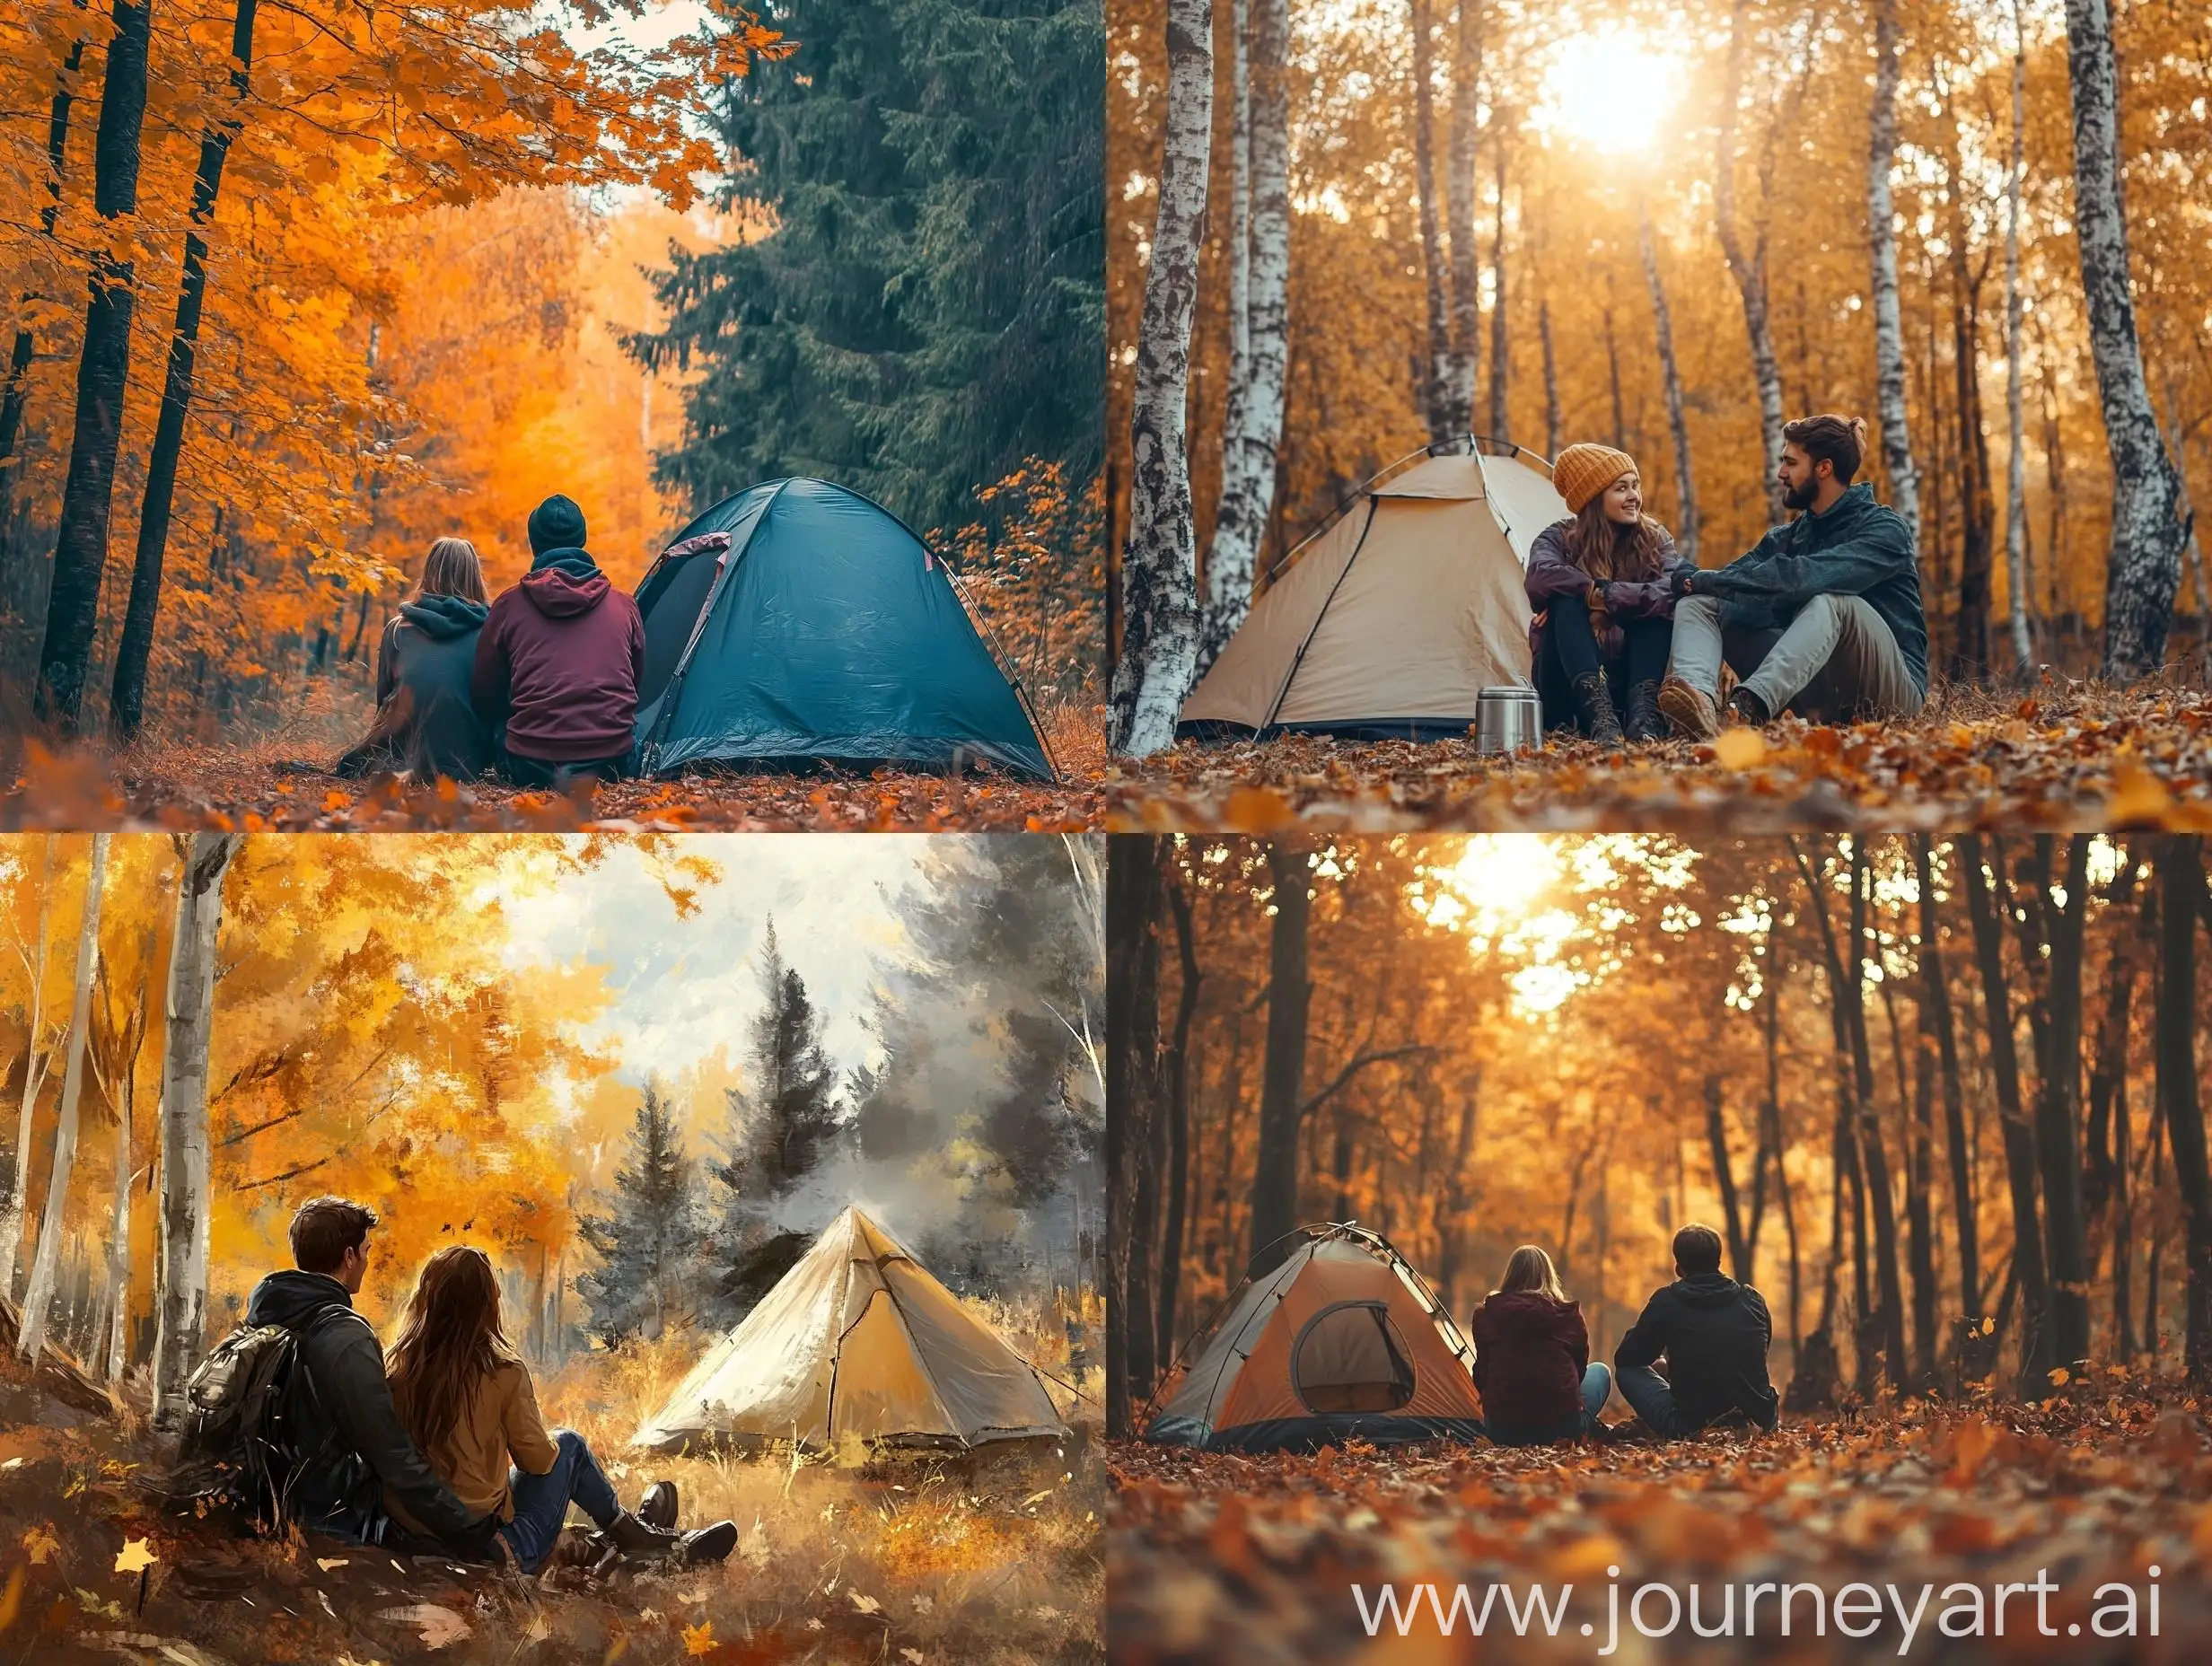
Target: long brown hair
452	569
1530	1269
1607	551
450	1341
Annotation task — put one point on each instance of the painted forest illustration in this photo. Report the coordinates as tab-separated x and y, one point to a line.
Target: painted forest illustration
1347	233
641	1076
1938	1100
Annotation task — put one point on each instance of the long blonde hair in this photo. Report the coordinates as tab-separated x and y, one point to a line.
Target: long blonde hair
451	569
1530	1269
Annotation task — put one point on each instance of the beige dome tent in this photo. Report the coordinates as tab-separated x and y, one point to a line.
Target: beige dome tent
1344	1340
857	1339
1391	618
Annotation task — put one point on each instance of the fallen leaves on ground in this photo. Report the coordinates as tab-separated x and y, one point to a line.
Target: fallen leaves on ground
1221	1555
2069	755
254	790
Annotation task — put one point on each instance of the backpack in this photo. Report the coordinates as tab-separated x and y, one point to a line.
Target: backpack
232	1450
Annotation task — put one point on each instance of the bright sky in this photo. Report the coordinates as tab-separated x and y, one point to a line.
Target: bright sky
687	987
1613	91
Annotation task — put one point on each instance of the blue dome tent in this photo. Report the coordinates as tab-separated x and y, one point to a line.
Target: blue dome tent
826	631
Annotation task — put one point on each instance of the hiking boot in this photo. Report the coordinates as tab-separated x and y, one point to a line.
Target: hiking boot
1690	709
1594	702
1645	723
641	1539
709	1544
1747	710
657	1508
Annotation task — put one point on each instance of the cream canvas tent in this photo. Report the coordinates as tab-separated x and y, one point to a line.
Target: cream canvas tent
1343	1341
858	1339
1394	617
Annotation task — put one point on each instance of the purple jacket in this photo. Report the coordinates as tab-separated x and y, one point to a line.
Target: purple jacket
1553	576
557	662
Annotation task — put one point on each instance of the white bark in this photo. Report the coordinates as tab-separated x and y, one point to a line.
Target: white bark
44	1260
1749	270
1686	533
1235	418
115	1301
1888	329
34	1077
180	1297
2145	569
1248	462
1159	575
1437	370
1500	424
2015	465
1459	197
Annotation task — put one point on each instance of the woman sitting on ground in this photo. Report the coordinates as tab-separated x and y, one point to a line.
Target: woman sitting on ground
467	1400
1604	616
426	723
1532	1364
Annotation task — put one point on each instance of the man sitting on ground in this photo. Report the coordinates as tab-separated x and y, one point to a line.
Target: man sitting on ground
1822	618
1713	1333
557	661
346	1442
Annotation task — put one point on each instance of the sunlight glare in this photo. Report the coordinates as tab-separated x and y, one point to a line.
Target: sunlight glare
1611	91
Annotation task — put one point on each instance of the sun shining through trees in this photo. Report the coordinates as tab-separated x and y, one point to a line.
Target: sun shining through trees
1612	89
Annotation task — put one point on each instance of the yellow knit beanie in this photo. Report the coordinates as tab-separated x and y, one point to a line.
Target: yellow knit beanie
1583	471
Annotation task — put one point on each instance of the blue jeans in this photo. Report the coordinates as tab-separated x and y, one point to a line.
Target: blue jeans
1597	1382
541	1500
1651	1398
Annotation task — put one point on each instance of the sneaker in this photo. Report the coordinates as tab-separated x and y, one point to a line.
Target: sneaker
1690	709
1747	710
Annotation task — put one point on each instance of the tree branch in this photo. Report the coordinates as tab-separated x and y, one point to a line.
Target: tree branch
1360	1061
289	1174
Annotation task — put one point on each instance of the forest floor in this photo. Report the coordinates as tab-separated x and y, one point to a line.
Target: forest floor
1217	1555
272	786
994	1561
2068	756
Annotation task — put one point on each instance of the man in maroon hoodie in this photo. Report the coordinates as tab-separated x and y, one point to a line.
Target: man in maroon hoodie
556	663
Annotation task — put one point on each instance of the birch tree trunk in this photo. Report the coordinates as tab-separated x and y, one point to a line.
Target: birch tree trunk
180	1298
1888	329
1500	424
2144	571
1159	575
1248	463
1458	195
52	1223
35	1063
1750	271
1970	636
2015	462
1436	369
1233	419
1686	532
114	1298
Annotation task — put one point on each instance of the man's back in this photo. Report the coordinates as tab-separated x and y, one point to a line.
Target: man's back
557	662
1715	1334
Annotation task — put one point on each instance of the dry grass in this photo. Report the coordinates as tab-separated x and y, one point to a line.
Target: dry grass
844	1556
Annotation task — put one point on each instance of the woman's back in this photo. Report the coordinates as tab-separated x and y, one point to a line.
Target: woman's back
1529	1353
499	1421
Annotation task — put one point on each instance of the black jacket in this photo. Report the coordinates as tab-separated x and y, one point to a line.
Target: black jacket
346	1437
425	719
1860	547
1714	1333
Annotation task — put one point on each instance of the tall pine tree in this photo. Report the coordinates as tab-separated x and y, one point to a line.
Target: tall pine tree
648	1242
930	308
780	1129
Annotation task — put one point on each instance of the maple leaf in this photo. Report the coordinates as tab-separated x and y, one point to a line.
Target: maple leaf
136	1555
40	1543
699	1639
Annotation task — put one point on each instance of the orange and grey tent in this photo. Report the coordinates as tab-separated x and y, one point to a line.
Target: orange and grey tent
1392	618
1342	1341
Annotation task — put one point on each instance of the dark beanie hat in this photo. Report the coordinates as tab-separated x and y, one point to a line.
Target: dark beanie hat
556	524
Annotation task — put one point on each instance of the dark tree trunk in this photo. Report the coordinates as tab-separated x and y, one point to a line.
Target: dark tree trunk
1724	1177
1178	1120
2181	890
1873	1152
1132	1083
2019	1144
1970	637
2058	1130
126	700
103	367
1936	1008
25	349
1275	1178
